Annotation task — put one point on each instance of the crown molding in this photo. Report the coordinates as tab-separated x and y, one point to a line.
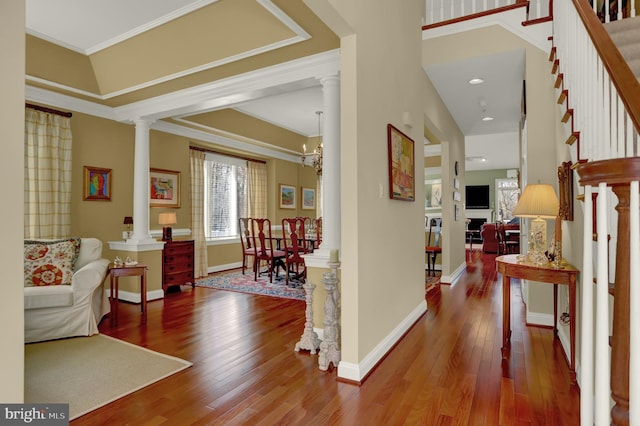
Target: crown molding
59	100
233	90
224	141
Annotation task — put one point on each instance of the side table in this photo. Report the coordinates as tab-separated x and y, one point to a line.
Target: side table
127	271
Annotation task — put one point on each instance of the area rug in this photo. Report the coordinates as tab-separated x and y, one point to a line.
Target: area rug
431	282
235	281
89	372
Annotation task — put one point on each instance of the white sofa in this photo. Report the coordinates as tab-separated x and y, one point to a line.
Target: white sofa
57	311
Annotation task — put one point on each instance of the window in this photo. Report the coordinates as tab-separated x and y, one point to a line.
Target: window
506	198
225	197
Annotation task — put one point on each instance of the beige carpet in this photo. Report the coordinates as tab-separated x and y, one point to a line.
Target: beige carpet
89	372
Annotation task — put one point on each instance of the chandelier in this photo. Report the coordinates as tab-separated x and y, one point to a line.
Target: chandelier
316	155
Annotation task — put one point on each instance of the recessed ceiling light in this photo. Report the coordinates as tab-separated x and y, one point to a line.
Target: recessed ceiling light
487	118
476	81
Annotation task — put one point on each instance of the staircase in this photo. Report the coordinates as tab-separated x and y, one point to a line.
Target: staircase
625	34
597	71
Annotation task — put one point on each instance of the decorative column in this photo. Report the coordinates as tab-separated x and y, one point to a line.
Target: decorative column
330	166
141	233
330	346
309	340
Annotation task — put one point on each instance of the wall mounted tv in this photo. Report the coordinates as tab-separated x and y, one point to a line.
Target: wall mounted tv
477	196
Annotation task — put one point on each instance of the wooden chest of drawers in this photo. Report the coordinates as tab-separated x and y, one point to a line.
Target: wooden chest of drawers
177	264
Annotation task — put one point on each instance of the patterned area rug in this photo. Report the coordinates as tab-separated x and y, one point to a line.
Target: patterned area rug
235	281
431	283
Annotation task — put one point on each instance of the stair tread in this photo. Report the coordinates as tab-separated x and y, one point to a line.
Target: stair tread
623	25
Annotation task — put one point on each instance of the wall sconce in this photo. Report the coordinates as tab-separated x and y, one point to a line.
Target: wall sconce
167	219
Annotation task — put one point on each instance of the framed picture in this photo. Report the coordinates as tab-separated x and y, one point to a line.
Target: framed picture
433	194
287	196
401	165
308	199
164	188
97	183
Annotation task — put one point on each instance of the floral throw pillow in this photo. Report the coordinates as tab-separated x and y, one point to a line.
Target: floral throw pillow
50	262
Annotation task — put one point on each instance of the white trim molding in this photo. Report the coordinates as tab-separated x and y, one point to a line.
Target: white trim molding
357	372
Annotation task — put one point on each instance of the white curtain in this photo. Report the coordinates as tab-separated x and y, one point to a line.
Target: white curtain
201	262
257	189
47	175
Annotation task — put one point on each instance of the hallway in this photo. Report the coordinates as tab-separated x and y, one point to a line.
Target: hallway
446	370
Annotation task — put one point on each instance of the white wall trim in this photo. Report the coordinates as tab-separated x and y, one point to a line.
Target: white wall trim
536	318
356	372
218	268
455	275
131	297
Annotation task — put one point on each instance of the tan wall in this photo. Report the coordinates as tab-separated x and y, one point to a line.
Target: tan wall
381	77
104	143
11	172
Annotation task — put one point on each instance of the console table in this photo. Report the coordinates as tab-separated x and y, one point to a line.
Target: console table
510	267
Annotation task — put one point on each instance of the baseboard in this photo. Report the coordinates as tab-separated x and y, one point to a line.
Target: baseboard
128	296
448	279
226	267
357	372
536	318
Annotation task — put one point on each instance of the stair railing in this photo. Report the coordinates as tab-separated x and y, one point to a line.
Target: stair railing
604	97
438	11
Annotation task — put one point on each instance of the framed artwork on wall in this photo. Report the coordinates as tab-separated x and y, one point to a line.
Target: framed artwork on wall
433	194
308	199
97	184
401	165
164	188
287	196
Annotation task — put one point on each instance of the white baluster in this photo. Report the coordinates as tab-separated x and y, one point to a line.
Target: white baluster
634	303
603	376
586	335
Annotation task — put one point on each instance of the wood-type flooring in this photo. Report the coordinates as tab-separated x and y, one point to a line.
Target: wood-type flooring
447	370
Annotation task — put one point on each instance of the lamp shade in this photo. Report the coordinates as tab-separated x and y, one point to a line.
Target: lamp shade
538	200
128	220
167	219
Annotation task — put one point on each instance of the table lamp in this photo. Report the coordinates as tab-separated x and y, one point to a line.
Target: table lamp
538	201
166	219
128	220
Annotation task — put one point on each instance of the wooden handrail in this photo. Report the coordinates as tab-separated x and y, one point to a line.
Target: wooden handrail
621	75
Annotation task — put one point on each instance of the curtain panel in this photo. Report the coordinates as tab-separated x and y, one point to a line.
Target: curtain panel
201	261
47	175
257	189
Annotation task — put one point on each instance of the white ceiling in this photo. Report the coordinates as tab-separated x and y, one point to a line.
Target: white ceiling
87	26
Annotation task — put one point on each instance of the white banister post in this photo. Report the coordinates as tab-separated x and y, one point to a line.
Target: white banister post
141	233
634	303
603	375
586	325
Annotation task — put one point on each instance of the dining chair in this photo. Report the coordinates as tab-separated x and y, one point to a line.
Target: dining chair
318	226
294	245
304	225
263	248
433	244
505	245
246	242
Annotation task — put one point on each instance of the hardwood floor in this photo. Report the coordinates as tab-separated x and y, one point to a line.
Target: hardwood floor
446	370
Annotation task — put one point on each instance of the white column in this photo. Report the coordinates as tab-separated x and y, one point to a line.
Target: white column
330	166
141	233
